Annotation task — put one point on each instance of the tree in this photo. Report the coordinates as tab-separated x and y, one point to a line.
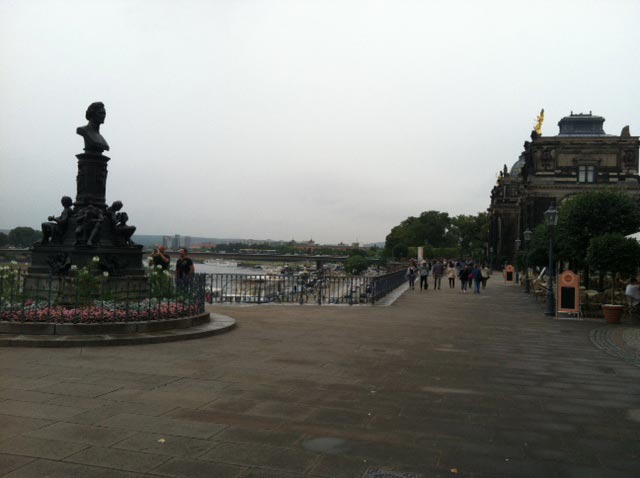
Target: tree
356	264
439	234
591	214
614	253
538	249
430	228
399	251
471	233
4	239
23	236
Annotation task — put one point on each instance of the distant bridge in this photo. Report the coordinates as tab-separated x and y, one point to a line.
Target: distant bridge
234	256
237	256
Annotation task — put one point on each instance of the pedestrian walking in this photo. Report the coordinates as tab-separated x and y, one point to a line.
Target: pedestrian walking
411	275
438	270
476	274
464	277
485	275
451	275
424	275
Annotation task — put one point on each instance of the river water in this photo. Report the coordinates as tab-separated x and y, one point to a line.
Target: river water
222	269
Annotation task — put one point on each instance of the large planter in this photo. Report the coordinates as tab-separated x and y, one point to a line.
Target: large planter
612	313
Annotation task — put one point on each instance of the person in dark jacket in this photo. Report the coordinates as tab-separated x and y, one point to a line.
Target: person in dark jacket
464	277
476	273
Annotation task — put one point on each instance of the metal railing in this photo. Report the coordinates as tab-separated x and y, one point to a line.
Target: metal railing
82	298
301	289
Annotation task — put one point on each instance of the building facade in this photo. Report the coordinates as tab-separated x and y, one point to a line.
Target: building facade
581	157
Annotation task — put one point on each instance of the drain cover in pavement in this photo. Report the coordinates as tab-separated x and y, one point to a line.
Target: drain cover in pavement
381	473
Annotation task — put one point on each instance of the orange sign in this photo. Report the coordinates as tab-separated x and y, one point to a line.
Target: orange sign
509	274
568	292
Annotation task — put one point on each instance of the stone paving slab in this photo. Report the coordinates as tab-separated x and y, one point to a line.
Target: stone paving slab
40	447
439	384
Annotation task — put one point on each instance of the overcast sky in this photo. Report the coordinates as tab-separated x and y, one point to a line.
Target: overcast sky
331	120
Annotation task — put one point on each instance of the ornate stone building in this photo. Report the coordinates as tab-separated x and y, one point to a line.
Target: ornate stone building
580	158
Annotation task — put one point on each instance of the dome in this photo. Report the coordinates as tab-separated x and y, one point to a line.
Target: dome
516	169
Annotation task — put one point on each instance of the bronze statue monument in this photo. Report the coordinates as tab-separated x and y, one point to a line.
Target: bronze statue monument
87	228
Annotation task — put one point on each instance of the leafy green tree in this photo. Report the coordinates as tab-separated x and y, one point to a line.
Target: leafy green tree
430	228
538	250
399	251
591	214
437	232
4	239
23	236
614	253
356	252
356	264
471	233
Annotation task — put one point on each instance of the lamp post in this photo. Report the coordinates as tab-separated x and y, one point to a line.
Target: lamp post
527	237
518	242
551	219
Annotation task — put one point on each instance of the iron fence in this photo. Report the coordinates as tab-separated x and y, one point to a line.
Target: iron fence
91	298
312	288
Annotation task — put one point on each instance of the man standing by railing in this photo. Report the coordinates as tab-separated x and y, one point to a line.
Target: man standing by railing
161	258
184	268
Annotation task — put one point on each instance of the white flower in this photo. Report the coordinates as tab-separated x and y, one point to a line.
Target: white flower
105	273
74	267
96	259
14	263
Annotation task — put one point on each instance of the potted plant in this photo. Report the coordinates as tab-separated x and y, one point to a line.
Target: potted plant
614	254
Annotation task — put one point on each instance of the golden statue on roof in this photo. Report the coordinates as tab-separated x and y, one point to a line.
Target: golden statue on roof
538	127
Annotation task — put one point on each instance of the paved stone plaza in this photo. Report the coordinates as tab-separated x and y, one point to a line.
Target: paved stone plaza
439	384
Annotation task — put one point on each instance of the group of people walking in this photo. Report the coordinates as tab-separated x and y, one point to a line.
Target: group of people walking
470	274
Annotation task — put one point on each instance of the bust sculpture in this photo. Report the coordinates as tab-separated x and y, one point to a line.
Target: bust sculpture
93	140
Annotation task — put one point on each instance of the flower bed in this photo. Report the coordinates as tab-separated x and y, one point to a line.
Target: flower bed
108	312
87	296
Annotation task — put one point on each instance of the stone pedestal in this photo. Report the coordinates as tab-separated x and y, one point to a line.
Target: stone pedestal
58	258
91	180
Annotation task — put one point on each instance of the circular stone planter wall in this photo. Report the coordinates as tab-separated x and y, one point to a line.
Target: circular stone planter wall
29	334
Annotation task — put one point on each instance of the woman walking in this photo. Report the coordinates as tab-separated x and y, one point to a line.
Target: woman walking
485	275
451	275
411	275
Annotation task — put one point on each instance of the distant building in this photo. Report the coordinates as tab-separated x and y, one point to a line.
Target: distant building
166	241
581	157
204	245
175	242
186	242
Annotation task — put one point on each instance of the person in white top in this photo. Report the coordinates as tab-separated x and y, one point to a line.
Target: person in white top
633	292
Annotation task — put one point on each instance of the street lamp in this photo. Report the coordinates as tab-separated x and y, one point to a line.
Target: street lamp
518	242
551	220
527	237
